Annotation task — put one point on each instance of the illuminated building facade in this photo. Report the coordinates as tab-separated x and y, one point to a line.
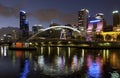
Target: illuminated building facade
36	28
24	25
83	19
116	18
96	23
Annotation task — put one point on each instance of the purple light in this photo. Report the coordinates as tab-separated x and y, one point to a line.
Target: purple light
94	21
90	27
99	26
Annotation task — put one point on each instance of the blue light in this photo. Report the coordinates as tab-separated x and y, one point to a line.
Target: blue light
26	21
25	70
94	70
22	11
94	21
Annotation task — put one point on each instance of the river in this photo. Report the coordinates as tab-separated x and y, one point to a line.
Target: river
59	62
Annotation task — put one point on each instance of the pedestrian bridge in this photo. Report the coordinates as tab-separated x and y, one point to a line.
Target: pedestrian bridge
54	27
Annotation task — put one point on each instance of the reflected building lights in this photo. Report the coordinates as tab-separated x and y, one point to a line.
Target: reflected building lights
49	50
107	54
2	51
60	62
25	70
104	55
14	57
41	48
58	51
74	64
41	60
69	51
5	54
94	70
18	54
83	53
94	67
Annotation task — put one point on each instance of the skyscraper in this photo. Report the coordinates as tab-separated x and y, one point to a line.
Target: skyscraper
116	18
83	19
36	28
24	25
102	23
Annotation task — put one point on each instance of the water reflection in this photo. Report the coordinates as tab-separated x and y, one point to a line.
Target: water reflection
59	61
25	71
3	50
94	67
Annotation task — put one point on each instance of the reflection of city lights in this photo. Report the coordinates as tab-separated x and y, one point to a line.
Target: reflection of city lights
58	50
41	60
94	70
5	51
25	70
18	54
94	67
89	60
74	63
60	62
107	54
2	50
41	50
83	51
69	51
49	50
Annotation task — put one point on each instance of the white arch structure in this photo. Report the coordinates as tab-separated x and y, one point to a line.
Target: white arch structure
42	30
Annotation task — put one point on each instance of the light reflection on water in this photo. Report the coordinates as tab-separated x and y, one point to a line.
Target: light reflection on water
59	61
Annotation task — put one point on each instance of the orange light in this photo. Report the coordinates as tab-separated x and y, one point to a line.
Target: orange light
18	44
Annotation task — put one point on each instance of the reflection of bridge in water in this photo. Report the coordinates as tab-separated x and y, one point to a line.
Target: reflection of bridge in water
79	44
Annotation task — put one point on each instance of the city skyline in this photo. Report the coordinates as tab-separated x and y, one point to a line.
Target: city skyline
61	12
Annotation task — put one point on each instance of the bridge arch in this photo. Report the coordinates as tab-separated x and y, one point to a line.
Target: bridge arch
53	27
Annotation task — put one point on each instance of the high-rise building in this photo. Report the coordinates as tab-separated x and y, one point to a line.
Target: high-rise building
102	23
24	25
36	28
83	19
116	18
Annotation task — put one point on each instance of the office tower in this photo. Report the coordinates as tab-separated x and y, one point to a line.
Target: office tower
116	18
36	28
102	23
24	25
83	19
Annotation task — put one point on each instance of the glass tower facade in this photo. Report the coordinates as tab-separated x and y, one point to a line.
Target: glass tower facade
24	25
83	19
116	18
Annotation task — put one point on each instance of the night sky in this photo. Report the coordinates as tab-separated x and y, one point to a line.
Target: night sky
47	11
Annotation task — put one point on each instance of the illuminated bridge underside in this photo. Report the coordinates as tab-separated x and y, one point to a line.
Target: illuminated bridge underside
42	30
113	35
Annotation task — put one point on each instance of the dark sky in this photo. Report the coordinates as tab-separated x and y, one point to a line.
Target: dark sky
46	11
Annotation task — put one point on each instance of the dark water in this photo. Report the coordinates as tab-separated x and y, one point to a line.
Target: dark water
59	62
